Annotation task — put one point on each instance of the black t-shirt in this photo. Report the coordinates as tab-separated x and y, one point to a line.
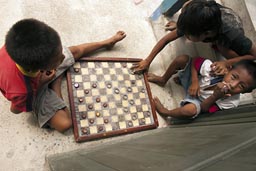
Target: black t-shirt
231	33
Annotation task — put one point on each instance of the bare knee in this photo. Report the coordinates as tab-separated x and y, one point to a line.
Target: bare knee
189	110
61	121
64	125
181	61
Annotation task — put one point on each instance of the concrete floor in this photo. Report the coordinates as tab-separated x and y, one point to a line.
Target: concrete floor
23	144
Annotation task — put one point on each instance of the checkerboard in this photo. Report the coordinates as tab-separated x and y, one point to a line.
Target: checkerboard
107	98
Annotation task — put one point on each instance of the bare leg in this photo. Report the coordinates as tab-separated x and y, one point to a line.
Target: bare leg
87	48
61	121
156	79
187	111
177	64
170	26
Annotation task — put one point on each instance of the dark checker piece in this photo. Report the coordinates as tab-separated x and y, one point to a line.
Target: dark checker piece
107	98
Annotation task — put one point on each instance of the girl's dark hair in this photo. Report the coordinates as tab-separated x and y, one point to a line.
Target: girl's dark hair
32	44
198	17
250	66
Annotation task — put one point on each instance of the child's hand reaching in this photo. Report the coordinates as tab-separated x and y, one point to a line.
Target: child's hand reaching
219	68
46	76
140	66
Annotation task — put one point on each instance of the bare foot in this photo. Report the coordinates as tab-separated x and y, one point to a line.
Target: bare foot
160	108
156	79
177	80
170	26
110	43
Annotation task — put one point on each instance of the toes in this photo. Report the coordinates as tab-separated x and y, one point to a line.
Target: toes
121	33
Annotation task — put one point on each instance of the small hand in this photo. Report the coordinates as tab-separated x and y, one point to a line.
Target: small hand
194	90
140	66
219	68
222	90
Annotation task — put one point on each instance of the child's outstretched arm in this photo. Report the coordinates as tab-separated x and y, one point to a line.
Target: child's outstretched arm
144	64
221	67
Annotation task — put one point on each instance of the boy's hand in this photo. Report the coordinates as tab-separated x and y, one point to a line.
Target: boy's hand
221	90
194	90
15	111
140	66
219	68
46	76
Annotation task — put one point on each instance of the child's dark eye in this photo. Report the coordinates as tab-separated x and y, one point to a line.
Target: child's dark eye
233	76
241	86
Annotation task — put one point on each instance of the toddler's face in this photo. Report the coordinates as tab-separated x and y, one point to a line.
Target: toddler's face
238	80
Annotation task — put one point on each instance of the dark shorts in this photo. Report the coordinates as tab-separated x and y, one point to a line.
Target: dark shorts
47	103
185	79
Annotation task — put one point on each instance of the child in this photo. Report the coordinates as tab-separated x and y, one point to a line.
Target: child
205	92
207	21
32	62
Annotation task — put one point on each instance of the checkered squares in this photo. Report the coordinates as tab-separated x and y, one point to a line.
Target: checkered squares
108	98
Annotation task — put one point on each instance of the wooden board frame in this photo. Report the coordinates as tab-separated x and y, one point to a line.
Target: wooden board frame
114	132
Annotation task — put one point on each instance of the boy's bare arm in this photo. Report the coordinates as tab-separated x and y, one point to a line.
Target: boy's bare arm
144	64
194	88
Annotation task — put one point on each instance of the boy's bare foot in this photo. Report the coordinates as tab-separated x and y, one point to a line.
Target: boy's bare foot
156	79
160	108
110	43
170	26
177	80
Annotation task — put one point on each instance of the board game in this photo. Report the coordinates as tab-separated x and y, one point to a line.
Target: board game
107	98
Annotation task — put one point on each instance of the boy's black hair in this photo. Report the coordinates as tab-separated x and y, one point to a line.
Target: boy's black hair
198	17
250	66
32	44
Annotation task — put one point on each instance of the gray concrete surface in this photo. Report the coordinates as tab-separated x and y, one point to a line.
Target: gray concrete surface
23	145
228	147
